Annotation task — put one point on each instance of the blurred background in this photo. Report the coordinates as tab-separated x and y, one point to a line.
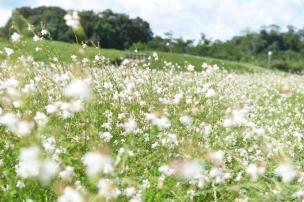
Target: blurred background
253	31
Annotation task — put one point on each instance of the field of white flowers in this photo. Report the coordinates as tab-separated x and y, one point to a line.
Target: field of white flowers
92	131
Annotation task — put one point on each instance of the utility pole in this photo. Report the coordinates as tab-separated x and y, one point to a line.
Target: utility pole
269	58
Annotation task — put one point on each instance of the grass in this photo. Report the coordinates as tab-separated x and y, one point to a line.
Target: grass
159	133
63	52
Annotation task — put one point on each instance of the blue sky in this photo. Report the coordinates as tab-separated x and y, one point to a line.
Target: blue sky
218	19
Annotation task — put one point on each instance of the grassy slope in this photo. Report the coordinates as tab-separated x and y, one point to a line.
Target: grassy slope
64	50
267	111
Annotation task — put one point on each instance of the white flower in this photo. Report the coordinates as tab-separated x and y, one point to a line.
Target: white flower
286	171
106	136
130	125
96	163
75	106
31	165
9	120
41	119
205	65
108	85
255	170
49	144
166	170
37	49
67	174
107	189
13	92
20	184
215	172
146	184
177	98
48	170
210	93
72	19
51	108
155	56
29	27
74	57
15	37
44	32
85	60
96	58
217	157
207	130
23	128
70	195
298	194
298	135
160	122
190	68
11	82
190	170
186	120
29	162
135	199
238	118
8	51
130	191
36	38
78	89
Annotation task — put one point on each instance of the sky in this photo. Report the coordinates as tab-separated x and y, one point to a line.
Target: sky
218	19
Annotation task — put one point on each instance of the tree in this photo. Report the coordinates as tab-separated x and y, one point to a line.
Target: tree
181	45
51	18
111	30
292	40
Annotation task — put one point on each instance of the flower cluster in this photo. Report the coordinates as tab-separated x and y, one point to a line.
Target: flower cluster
93	131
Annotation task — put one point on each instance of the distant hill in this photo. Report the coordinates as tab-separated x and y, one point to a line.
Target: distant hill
63	51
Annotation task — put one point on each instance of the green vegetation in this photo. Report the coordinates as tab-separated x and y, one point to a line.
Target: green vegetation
82	123
99	132
287	47
108	29
63	52
118	31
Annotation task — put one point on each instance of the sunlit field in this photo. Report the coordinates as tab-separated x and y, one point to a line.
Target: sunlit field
79	123
85	129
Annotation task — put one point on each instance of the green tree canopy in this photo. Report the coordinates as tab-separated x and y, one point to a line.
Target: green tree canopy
109	29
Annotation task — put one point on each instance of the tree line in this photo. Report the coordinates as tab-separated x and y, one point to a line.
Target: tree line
119	31
106	28
287	47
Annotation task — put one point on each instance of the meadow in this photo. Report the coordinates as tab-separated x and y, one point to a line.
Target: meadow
76	126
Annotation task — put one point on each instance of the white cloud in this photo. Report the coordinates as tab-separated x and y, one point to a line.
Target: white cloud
218	19
4	15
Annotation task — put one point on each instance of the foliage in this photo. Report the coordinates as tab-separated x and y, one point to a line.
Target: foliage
107	29
63	51
250	47
75	127
287	66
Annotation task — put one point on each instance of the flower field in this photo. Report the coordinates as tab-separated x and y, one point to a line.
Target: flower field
89	130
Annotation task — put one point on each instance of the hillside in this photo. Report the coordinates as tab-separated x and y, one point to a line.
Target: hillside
63	52
119	31
80	132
